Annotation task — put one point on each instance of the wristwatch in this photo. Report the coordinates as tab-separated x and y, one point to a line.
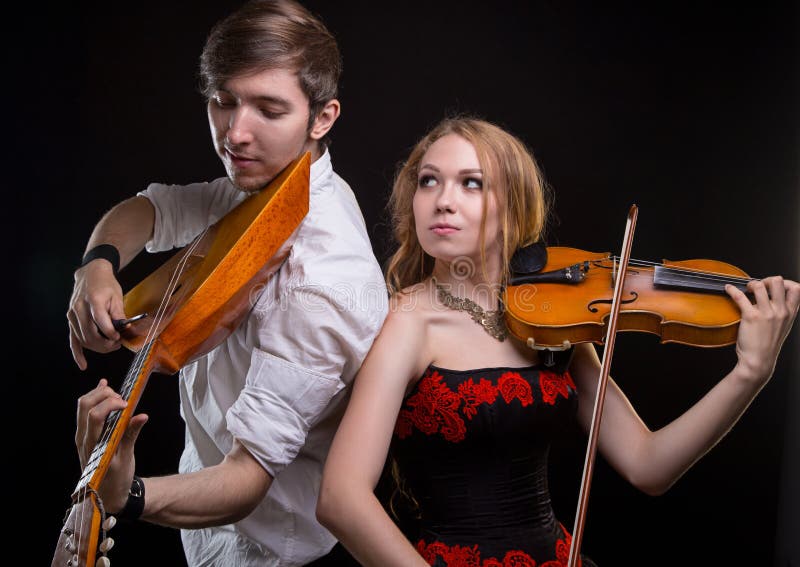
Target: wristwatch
135	505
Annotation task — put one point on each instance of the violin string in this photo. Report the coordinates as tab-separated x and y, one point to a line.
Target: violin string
691	272
713	278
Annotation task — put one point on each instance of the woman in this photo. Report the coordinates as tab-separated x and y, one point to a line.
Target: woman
469	411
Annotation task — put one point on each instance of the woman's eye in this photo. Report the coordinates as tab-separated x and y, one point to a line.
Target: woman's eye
473	183
427	181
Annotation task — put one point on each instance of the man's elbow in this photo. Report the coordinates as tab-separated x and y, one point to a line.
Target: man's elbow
245	483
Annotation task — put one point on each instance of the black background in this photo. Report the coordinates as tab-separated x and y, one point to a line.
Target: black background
688	110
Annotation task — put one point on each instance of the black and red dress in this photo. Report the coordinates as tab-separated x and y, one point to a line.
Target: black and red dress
472	447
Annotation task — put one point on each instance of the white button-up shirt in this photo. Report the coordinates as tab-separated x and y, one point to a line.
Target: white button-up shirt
278	383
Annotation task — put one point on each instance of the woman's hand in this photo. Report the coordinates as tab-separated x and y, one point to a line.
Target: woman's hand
764	325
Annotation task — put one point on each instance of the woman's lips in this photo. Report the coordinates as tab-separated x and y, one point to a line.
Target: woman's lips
443	229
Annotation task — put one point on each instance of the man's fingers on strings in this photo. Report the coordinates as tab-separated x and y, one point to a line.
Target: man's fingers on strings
102	393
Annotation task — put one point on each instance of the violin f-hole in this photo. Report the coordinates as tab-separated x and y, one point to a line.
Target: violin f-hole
593	309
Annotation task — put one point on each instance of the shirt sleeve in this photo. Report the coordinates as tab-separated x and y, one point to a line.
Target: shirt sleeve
184	211
312	344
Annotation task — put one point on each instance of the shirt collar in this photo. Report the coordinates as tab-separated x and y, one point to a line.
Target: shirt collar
321	169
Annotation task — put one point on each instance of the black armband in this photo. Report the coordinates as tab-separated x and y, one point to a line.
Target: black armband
106	252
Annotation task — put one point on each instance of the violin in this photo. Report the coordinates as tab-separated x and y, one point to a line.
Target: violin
559	296
568	300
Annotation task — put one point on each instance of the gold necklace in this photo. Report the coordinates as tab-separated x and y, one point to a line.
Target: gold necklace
493	322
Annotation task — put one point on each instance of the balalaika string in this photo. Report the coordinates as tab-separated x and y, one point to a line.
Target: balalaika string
125	391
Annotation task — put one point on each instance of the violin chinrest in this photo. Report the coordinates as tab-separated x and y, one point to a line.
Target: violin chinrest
529	259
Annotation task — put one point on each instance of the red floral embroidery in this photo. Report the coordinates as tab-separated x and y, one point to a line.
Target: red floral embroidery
435	407
458	556
429	552
464	556
512	385
403	426
473	394
518	558
553	384
562	550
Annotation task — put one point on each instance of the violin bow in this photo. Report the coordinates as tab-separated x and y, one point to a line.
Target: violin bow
597	412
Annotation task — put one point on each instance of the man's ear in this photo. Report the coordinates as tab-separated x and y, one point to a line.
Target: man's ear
325	119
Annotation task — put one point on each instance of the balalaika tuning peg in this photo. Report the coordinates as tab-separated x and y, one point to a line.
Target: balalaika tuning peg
106	544
109	523
102	561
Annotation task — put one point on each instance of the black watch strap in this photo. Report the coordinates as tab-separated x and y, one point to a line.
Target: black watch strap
135	505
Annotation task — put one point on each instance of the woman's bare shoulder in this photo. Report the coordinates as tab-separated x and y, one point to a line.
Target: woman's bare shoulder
413	304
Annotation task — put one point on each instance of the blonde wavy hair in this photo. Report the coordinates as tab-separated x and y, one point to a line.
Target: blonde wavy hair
510	170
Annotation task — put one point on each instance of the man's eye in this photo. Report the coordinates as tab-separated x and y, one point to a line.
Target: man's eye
271	114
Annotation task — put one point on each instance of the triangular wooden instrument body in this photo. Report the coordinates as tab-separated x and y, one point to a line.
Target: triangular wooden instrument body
193	302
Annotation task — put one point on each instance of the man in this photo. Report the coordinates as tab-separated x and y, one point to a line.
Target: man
261	408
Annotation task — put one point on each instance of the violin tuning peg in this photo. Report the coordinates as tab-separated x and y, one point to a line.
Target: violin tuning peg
110	522
102	561
107	544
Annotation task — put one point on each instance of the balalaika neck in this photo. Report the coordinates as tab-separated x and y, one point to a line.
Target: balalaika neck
117	422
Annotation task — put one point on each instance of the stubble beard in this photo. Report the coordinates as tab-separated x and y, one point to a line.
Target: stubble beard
246	185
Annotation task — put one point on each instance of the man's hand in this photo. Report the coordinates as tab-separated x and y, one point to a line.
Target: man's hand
93	409
96	301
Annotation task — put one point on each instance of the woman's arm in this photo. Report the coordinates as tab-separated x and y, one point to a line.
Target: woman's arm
347	504
654	460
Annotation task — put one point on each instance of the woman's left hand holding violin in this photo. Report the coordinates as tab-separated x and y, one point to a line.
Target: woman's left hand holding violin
764	325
